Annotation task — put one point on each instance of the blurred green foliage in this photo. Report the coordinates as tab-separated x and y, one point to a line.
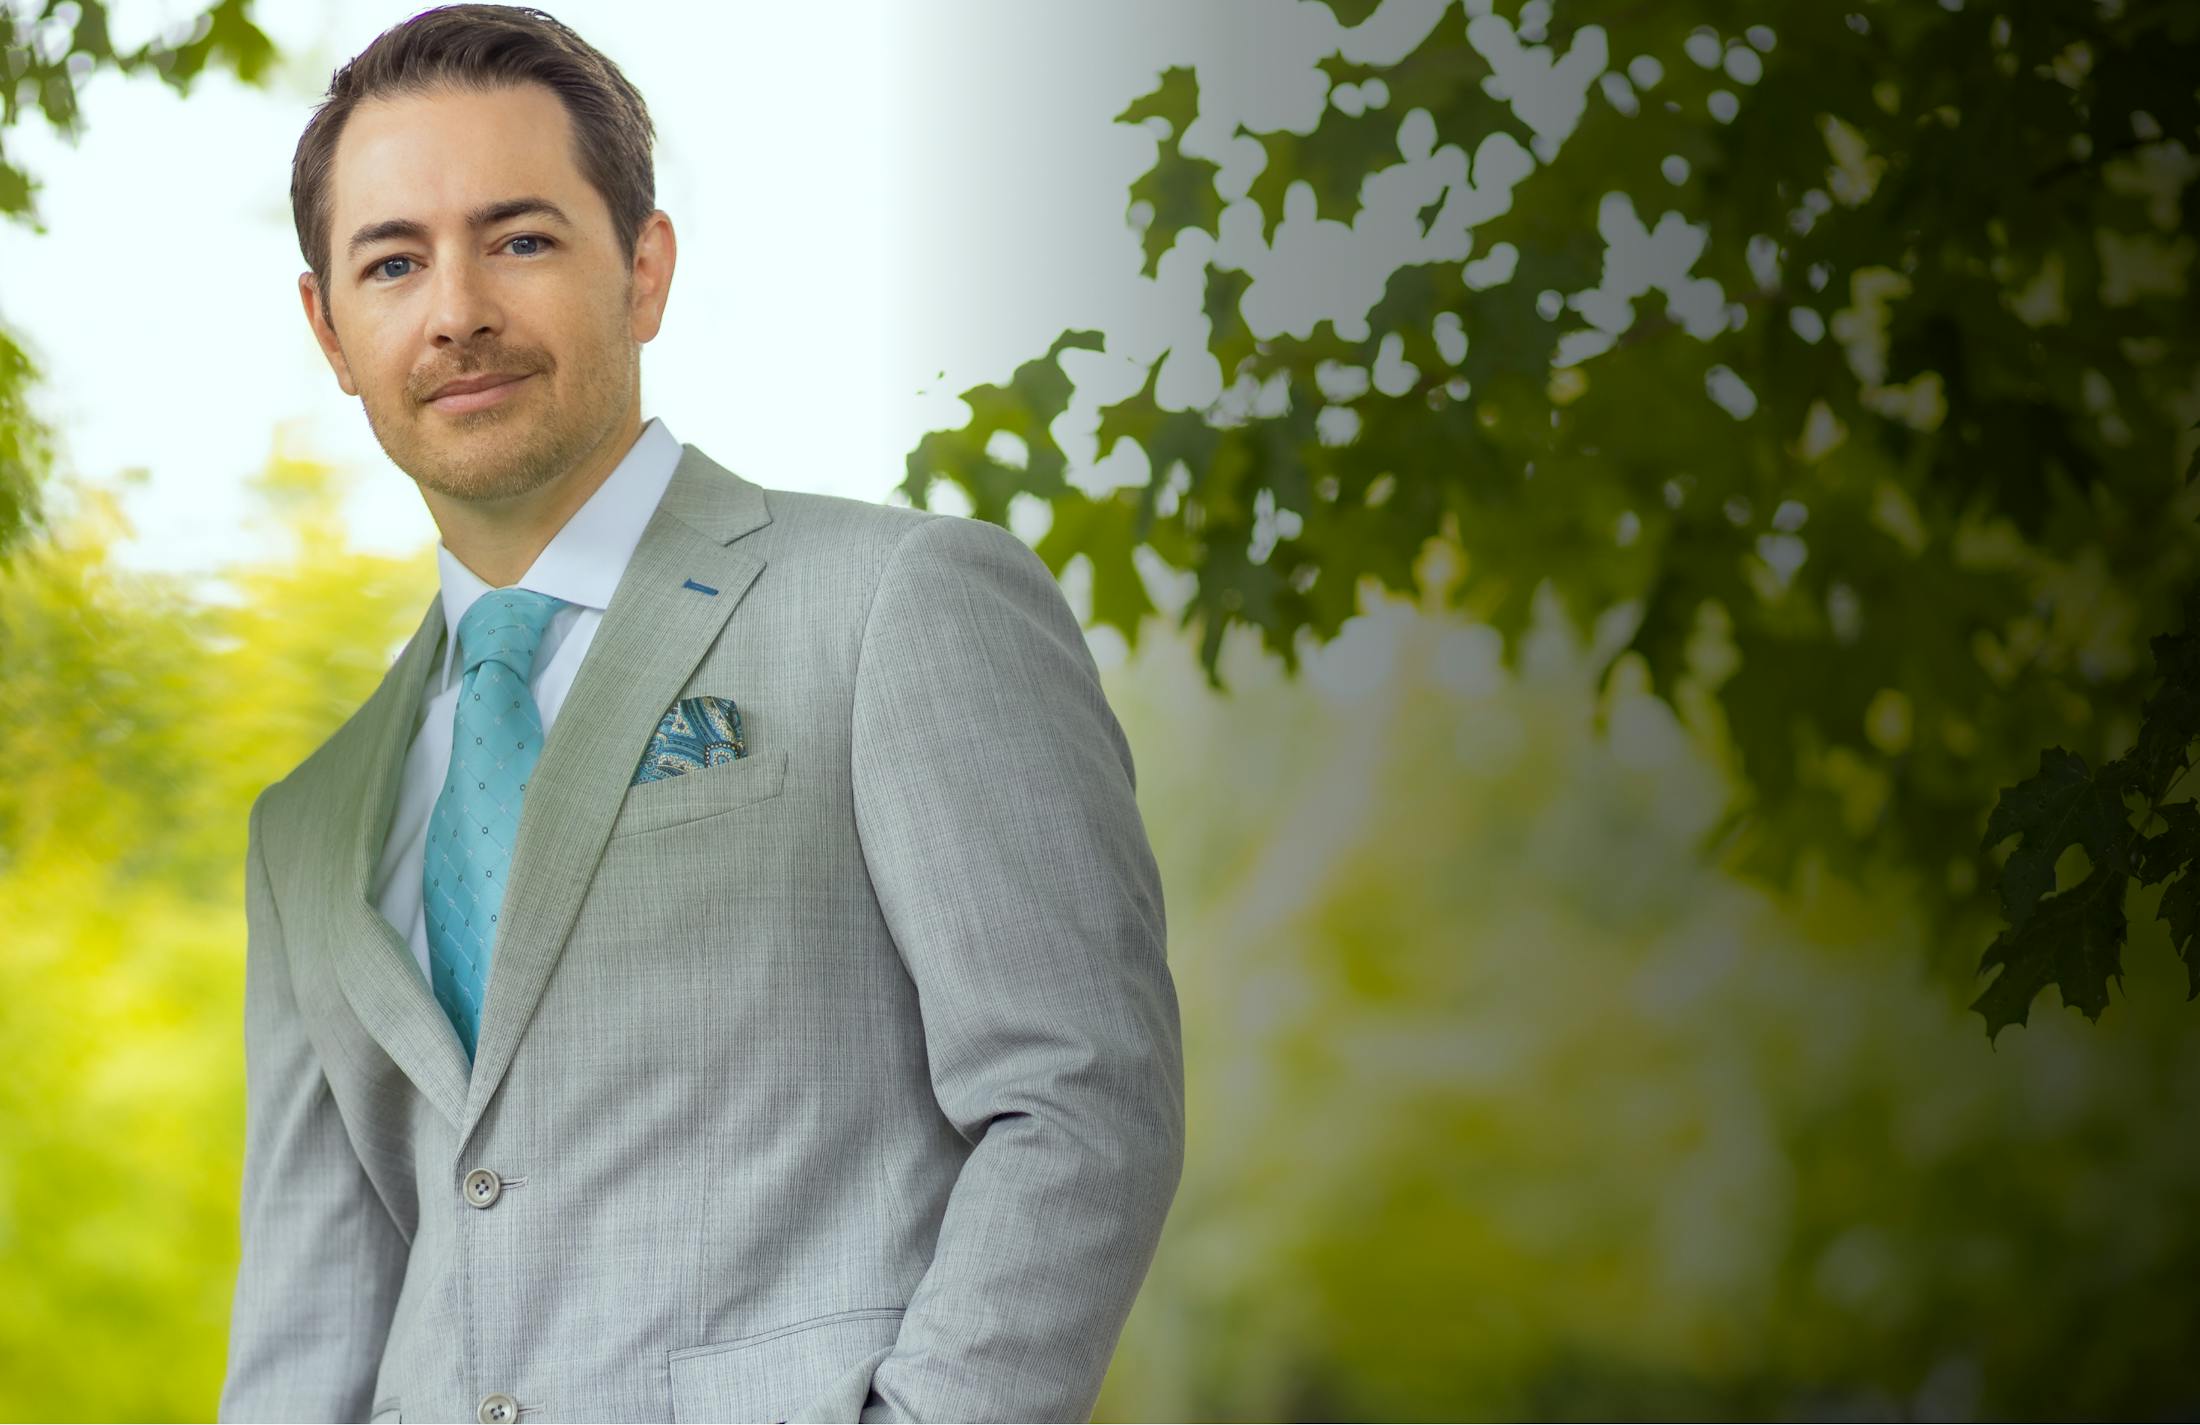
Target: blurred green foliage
1904	497
138	719
1503	1106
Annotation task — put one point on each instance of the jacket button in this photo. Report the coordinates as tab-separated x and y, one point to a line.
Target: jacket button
498	1409
482	1188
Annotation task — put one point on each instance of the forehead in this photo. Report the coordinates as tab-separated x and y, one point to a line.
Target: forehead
434	157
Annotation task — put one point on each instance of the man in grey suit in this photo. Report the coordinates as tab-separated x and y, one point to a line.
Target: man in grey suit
719	974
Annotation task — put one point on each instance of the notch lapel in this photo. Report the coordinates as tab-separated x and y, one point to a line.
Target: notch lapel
374	962
655	631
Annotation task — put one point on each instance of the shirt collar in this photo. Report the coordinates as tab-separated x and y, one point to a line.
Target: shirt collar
585	559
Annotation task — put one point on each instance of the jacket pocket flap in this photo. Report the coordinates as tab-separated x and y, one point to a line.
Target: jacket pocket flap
774	1374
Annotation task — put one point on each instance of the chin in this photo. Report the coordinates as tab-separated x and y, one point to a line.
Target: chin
487	482
476	464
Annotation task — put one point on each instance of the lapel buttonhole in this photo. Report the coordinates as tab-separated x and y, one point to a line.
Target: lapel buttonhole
700	588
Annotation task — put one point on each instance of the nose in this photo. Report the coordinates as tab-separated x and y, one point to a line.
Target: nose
463	307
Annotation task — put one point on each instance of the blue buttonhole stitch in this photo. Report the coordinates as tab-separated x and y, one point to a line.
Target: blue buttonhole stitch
700	588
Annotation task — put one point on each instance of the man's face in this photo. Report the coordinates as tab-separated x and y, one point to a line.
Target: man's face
531	293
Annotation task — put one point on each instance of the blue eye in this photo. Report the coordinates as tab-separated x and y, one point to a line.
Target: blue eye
377	271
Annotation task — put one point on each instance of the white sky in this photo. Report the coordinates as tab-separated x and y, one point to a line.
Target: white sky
866	195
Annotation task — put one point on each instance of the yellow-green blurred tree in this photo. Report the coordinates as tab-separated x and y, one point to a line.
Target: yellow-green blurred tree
137	722
1503	1106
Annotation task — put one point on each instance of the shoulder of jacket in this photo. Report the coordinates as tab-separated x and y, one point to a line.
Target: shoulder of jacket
808	517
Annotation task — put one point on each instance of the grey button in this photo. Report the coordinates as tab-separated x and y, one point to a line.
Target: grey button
498	1409
483	1188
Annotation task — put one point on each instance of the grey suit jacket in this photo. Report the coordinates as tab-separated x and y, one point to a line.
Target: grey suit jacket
841	1080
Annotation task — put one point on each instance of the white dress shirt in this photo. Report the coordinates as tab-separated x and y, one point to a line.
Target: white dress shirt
582	564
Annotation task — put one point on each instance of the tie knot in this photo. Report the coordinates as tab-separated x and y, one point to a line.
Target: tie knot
506	625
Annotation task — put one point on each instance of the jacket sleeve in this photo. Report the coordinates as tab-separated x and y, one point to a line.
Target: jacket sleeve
321	1260
993	796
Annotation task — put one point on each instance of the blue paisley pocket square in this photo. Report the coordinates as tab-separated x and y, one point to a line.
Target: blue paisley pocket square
696	733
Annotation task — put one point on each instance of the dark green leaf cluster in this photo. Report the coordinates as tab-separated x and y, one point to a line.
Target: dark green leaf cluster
1899	504
2074	938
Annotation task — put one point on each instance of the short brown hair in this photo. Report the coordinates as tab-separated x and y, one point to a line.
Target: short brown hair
483	48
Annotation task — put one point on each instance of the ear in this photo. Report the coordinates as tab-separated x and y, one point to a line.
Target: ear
654	255
317	317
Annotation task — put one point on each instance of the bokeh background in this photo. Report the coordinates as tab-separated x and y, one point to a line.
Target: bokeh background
1642	552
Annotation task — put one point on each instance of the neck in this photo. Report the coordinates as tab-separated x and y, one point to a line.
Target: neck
499	539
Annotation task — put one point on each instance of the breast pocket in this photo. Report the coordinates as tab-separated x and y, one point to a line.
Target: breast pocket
820	1369
692	796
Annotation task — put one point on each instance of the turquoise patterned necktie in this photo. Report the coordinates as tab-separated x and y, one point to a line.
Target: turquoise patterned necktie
496	735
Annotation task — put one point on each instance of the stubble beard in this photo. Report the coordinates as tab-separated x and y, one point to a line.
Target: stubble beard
511	449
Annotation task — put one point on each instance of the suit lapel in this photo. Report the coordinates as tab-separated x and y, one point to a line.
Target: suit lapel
374	962
679	589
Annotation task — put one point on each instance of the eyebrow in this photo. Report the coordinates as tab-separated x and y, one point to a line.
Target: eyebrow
484	216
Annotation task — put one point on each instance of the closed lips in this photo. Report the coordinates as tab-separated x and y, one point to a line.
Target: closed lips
478	383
